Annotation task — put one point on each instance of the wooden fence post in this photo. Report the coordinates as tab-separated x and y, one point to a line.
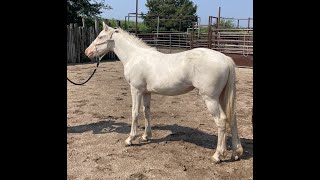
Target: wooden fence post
96	26
83	22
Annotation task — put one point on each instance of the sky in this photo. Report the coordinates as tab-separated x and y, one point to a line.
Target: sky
229	8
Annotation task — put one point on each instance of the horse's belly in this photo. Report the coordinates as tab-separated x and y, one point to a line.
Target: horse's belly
170	89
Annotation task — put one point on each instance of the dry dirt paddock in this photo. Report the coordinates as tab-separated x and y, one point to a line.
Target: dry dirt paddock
184	134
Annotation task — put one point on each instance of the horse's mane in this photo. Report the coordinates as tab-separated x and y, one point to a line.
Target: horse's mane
137	41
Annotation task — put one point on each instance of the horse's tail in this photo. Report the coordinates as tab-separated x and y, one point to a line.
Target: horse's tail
228	104
228	95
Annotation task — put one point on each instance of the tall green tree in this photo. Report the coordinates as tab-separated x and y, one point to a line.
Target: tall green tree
76	9
225	24
178	14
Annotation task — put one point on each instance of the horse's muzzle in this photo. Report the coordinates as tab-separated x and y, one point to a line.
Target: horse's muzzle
89	53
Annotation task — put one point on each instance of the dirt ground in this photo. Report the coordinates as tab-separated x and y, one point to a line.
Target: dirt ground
184	133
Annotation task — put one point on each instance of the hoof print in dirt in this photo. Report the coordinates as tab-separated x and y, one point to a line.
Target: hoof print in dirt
184	168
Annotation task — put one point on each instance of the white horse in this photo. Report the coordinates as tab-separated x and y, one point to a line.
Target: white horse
150	71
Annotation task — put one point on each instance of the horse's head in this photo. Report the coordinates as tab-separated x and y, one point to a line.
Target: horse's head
102	44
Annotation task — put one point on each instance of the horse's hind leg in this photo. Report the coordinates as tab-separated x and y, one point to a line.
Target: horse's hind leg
220	119
146	109
136	101
236	144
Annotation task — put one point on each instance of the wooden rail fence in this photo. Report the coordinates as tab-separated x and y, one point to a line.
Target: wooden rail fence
238	41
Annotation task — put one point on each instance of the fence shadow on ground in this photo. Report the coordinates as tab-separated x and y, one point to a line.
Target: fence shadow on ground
101	127
179	133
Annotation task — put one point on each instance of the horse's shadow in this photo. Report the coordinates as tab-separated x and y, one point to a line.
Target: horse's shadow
179	133
101	127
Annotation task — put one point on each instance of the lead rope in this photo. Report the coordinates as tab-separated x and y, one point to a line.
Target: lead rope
91	74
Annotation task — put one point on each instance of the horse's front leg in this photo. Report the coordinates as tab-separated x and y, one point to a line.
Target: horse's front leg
136	101
146	109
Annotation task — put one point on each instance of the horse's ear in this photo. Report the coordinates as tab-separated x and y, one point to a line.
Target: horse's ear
105	26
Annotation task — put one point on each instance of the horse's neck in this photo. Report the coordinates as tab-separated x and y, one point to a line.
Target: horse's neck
124	49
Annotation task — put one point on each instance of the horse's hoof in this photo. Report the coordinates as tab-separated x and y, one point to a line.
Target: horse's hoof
235	158
127	143
215	160
237	153
145	138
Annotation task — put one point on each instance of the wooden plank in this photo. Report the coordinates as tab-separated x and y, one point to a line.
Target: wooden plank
96	26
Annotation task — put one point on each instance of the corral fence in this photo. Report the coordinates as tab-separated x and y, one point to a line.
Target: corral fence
78	39
230	40
237	40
